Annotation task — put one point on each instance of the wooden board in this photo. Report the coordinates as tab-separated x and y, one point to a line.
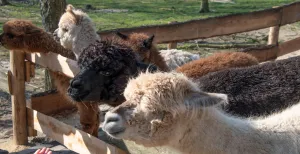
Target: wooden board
273	35
27	71
263	53
216	26
49	103
271	52
290	13
69	136
17	67
54	62
289	46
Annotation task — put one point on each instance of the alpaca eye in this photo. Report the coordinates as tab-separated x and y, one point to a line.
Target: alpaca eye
65	29
9	35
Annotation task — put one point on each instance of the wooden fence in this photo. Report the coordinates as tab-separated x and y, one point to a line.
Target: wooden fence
31	118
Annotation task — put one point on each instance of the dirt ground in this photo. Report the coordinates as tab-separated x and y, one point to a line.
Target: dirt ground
71	117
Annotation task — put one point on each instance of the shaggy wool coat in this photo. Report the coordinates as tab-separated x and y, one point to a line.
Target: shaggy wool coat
257	90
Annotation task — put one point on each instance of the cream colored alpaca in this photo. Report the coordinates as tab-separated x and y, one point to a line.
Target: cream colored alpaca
167	109
76	30
176	58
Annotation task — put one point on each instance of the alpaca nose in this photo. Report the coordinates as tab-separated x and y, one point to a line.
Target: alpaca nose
112	117
76	84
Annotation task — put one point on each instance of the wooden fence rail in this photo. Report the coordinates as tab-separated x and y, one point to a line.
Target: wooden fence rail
74	139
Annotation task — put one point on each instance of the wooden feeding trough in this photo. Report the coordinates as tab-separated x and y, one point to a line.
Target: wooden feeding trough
32	115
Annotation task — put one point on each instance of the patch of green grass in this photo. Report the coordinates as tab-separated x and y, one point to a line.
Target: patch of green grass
152	12
20	11
142	12
4	52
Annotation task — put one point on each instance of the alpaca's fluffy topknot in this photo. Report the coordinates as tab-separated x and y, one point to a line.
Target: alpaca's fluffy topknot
69	8
106	57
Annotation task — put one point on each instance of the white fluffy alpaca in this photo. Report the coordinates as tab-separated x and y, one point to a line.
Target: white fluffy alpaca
76	31
175	58
167	109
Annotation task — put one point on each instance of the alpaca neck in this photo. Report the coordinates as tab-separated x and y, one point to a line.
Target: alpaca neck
48	44
86	36
158	60
215	132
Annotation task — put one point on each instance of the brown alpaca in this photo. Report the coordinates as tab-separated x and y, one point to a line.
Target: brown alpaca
22	35
216	62
143	45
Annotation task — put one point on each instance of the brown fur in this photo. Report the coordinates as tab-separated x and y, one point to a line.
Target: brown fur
29	38
216	62
23	35
152	55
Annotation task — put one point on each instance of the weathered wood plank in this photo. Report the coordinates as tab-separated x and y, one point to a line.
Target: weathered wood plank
290	13
271	52
263	53
273	35
32	70
31	130
55	62
49	102
27	71
17	67
67	135
289	46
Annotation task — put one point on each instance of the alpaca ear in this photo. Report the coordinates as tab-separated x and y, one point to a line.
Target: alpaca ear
148	42
202	99
71	9
122	36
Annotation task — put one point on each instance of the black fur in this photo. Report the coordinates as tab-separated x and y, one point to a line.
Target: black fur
257	90
105	70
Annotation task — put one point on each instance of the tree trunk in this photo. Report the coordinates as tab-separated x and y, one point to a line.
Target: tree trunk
204	6
3	2
51	10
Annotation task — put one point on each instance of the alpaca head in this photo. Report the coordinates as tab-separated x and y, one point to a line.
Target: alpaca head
139	42
154	104
75	29
104	72
18	34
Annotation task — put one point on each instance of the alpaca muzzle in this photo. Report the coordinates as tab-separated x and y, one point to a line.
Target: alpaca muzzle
88	85
113	125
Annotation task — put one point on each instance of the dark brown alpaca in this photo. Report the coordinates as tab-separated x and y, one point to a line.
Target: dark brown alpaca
143	45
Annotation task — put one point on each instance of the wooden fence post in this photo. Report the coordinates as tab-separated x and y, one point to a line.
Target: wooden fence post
273	35
172	45
17	67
